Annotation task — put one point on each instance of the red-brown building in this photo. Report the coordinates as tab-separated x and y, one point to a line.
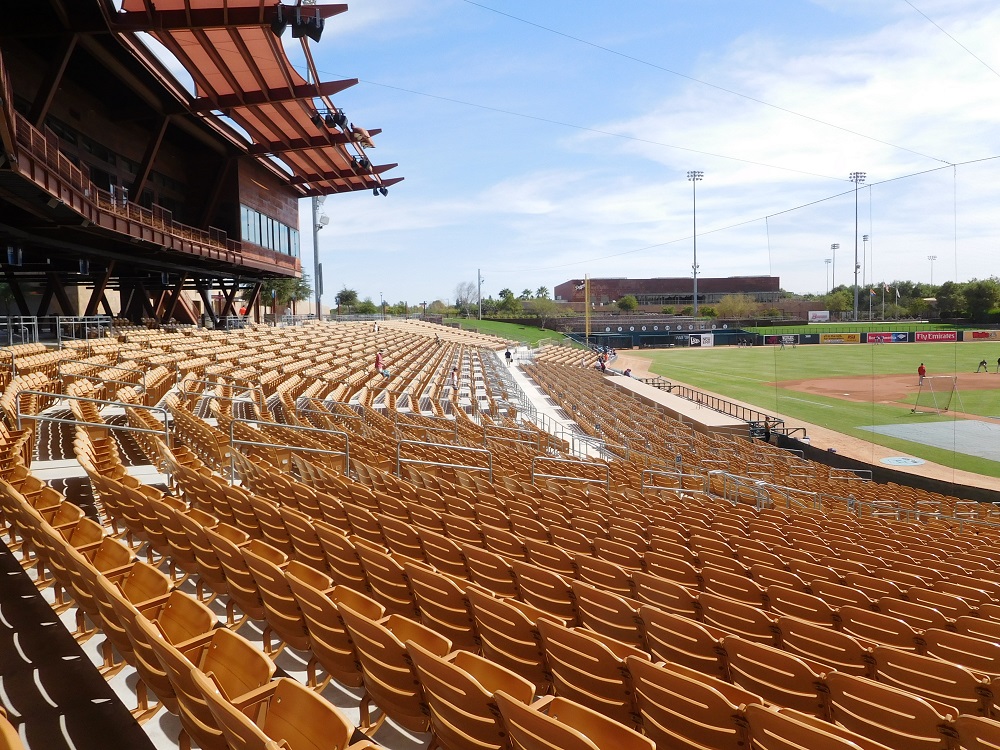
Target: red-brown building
124	193
669	292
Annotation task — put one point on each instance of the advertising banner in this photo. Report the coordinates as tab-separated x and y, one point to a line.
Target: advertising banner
819	316
884	337
935	336
982	335
708	339
840	338
694	339
788	339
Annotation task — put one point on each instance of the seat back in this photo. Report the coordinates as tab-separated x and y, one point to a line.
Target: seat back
683	708
509	636
564	726
281	610
459	690
590	672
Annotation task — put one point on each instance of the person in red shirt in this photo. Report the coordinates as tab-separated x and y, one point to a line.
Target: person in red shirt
380	364
921	373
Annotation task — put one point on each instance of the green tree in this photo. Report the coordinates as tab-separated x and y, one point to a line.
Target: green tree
687	310
544	308
542	292
982	296
951	300
366	307
282	291
525	294
840	300
668	310
628	303
707	312
437	307
346	298
508	303
737	307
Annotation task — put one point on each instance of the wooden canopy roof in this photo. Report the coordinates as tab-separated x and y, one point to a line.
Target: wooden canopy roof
233	52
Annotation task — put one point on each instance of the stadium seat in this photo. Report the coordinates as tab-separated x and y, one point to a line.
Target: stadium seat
553	723
459	691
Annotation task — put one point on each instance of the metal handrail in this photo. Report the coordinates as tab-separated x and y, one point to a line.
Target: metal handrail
106	402
400	460
535	437
604	466
346	453
680	477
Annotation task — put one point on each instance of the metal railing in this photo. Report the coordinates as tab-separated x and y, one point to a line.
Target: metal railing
221	384
86	324
233	442
24	327
678	476
424	462
105	402
569	477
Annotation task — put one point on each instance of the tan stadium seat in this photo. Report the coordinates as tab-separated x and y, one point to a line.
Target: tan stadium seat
683	641
443	604
341	556
875	627
794	603
738	618
897	719
935	680
331	645
546	555
553	723
978	733
608	613
509	636
545	590
590	670
389	679
459	691
291	716
387	580
777	676
825	645
281	610
684	708
235	662
666	594
227	542
774	729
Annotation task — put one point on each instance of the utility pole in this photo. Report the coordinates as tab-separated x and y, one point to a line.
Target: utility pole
479	291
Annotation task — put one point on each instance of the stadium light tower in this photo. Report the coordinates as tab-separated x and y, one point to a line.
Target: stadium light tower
320	220
833	249
694	178
827	261
932	258
864	260
857	178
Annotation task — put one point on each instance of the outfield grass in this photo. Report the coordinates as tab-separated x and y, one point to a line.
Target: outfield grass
751	375
525	334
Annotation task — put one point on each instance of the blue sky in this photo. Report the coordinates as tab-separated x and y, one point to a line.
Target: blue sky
470	101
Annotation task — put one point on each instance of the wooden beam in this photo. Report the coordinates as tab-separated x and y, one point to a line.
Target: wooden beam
97	296
67	307
229	295
214	18
302	144
337	174
206	299
271	95
168	312
15	290
148	158
216	195
47	91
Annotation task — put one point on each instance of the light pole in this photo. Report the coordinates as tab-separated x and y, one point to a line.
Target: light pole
319	221
424	304
932	258
694	178
479	291
834	248
827	261
857	178
864	260
381	304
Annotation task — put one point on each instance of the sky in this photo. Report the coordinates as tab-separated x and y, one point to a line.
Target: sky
544	141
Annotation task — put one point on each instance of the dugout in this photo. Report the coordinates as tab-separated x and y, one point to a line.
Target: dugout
884	475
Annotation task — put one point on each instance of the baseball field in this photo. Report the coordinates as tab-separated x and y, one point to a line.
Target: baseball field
864	391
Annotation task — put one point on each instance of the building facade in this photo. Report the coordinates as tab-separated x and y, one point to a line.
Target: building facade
666	292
